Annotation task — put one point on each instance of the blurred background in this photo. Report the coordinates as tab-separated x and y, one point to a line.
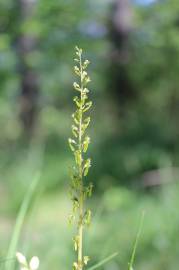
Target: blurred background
133	47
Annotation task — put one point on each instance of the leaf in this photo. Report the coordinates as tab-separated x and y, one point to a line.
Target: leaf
20	219
136	242
102	262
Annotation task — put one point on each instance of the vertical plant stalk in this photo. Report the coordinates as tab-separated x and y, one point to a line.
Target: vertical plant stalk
79	144
80	247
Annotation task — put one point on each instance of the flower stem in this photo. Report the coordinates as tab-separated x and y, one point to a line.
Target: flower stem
80	230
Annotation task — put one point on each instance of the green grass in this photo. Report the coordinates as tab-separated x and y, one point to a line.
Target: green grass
114	229
13	246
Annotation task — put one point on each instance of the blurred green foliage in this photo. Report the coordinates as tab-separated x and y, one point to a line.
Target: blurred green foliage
130	138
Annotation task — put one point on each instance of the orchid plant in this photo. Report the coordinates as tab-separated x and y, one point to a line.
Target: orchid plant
79	145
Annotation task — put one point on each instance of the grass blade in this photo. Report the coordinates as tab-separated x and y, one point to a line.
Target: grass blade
102	262
20	220
136	242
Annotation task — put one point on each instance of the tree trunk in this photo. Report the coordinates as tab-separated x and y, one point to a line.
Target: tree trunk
26	44
120	29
